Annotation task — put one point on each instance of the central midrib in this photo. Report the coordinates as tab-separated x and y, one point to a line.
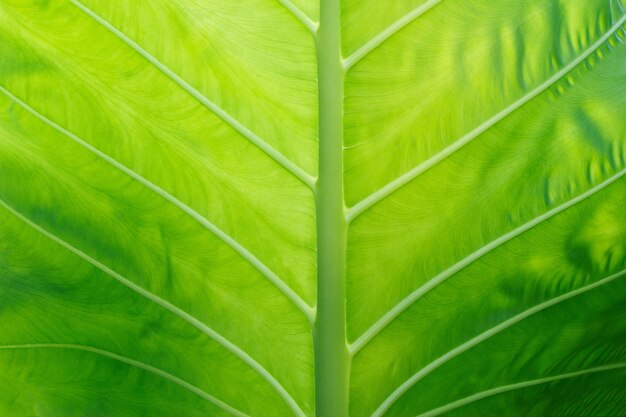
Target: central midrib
331	350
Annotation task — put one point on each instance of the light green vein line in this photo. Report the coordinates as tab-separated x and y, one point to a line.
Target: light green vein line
391	30
247	255
410	299
408	176
138	364
520	385
230	346
402	389
296	171
616	4
300	15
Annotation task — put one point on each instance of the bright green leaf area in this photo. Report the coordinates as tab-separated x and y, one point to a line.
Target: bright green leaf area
333	208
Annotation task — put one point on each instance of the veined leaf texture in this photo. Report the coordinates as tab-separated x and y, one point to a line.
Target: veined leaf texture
321	208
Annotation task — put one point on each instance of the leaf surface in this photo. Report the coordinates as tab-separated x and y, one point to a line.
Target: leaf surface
274	208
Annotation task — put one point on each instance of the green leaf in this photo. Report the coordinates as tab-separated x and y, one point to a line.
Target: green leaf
313	208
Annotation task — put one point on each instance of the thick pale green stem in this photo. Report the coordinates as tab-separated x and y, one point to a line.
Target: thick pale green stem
331	353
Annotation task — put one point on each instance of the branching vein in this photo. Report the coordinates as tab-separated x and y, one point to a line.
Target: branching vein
520	385
138	364
221	113
402	389
407	177
227	344
300	15
410	299
247	255
391	30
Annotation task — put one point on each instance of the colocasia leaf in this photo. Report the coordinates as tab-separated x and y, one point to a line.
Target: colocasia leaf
329	208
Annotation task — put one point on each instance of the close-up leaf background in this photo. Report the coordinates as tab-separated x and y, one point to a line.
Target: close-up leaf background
333	208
